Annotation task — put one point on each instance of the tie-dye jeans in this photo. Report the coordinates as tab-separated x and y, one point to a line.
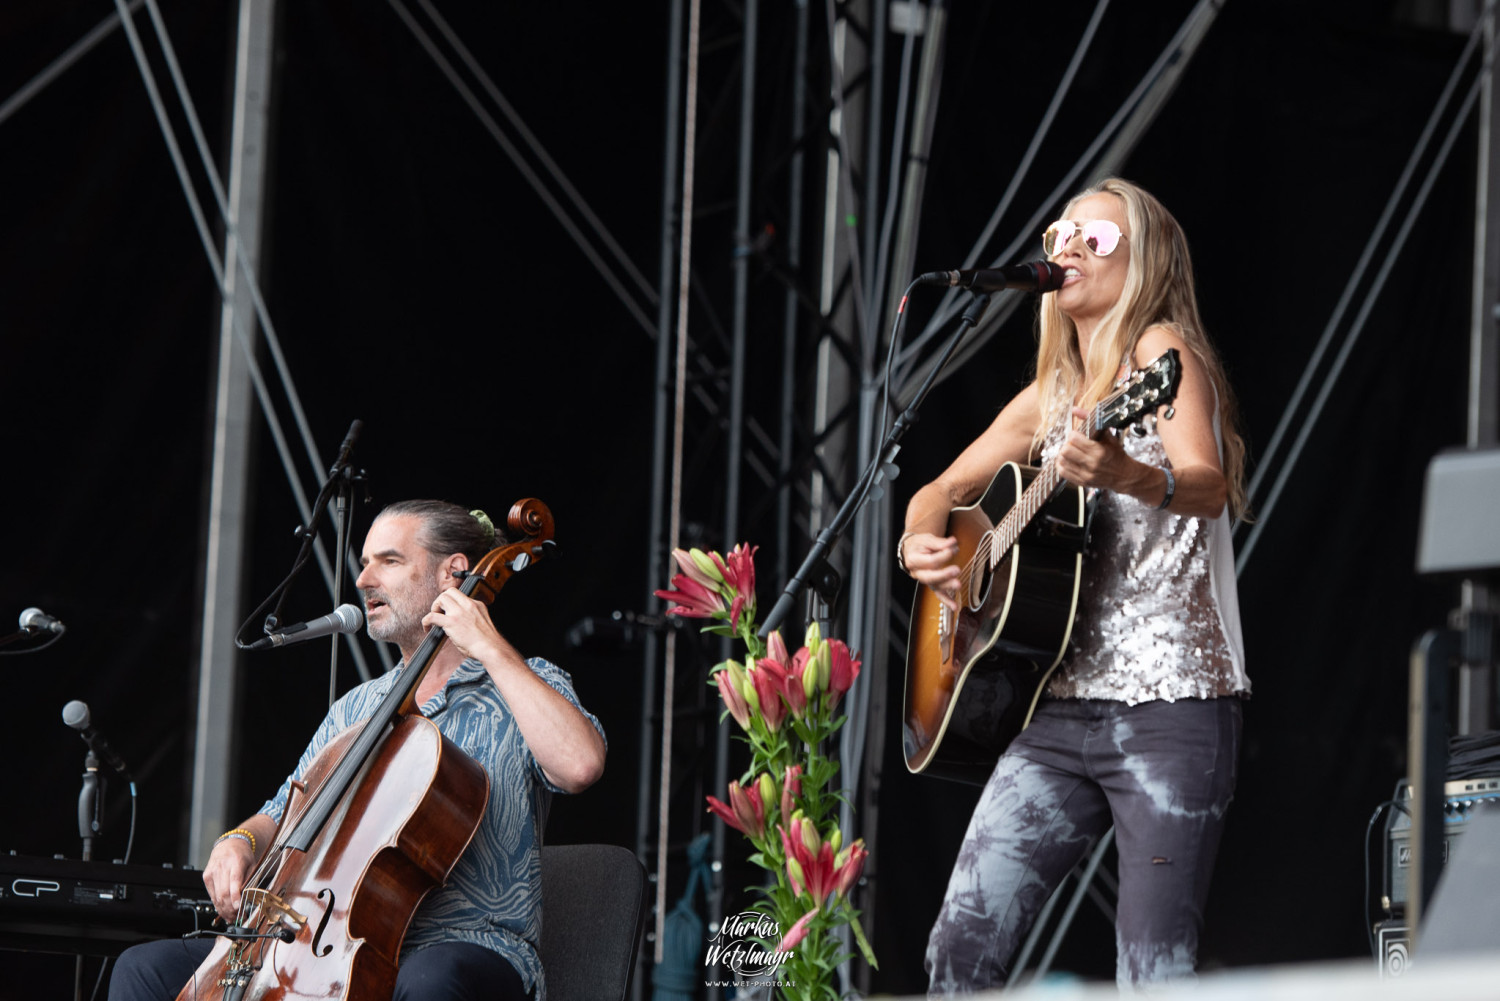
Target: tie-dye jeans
1162	773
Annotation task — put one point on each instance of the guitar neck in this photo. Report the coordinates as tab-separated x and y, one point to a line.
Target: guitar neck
1032	499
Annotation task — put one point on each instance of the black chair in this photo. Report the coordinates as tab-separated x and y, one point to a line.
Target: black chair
593	910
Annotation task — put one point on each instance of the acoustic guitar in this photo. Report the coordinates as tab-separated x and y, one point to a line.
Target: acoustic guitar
973	679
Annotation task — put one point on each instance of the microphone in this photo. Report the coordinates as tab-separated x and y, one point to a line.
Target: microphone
34	620
1033	276
342	459
344	619
76	715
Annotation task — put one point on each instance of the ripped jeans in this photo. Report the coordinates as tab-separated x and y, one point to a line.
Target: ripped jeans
1162	773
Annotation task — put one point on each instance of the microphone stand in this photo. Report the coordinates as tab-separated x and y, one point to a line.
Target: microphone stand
346	477
337	475
815	568
90	821
90	826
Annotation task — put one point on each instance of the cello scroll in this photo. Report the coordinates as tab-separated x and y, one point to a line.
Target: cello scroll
529	519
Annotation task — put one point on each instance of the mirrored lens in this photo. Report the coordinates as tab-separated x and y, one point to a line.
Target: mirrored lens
1101	236
1057	236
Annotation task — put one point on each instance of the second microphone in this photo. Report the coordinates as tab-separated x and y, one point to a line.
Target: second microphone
344	619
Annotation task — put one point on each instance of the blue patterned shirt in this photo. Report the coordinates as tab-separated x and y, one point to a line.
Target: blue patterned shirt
493	896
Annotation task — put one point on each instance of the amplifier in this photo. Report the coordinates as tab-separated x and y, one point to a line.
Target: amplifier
95	908
1392	949
1461	798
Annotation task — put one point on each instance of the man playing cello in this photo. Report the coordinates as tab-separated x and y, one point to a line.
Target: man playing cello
476	935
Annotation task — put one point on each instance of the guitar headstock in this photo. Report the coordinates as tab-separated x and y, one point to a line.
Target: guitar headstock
1146	390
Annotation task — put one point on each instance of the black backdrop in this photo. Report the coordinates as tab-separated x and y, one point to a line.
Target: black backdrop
418	285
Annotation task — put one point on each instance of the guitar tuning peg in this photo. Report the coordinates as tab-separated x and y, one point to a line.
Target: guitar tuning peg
1169	413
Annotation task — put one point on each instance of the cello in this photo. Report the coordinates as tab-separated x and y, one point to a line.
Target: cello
380	818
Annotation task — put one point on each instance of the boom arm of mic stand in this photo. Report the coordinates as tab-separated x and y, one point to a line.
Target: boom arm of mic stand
861	492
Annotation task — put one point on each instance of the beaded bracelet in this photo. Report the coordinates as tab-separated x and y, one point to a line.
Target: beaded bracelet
242	834
1171	489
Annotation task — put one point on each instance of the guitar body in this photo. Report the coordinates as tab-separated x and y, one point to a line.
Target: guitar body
972	684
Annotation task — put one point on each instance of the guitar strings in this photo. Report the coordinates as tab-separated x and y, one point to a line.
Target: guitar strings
990	550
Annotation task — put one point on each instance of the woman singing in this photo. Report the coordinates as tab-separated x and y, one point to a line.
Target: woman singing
1139	726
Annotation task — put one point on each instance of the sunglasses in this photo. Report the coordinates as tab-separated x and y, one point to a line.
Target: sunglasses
1099	235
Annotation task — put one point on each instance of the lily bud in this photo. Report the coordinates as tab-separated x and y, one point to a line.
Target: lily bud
813	637
848	867
749	809
809	673
794	874
809	834
750	695
689	567
765	786
791	788
734	701
776	650
705	566
843	668
796	933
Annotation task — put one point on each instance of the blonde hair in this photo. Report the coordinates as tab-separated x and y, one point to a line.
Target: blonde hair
1158	291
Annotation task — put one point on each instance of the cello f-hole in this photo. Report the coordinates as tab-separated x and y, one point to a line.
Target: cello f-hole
327	912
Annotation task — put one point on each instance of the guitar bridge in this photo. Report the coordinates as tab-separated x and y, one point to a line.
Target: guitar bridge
945	633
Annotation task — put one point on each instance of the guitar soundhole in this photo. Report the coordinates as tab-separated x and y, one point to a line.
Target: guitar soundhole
979	586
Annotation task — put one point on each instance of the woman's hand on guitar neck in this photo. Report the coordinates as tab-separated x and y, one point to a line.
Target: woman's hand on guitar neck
929	559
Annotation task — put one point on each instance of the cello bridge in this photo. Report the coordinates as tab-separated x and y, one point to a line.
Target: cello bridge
273	909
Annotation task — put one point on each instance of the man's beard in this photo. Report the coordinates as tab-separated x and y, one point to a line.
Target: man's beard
400	625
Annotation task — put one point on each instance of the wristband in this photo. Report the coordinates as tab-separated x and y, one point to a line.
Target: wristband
1171	489
242	834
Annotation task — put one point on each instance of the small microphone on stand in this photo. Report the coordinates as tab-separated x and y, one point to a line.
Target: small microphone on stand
34	620
76	715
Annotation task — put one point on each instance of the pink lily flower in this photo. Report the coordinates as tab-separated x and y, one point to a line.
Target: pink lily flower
739	577
739	568
692	600
796	933
843	668
809	859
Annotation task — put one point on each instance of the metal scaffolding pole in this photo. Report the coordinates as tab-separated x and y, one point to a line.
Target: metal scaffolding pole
734	445
229	476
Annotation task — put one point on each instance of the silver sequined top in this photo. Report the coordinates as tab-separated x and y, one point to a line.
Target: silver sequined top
1158	613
